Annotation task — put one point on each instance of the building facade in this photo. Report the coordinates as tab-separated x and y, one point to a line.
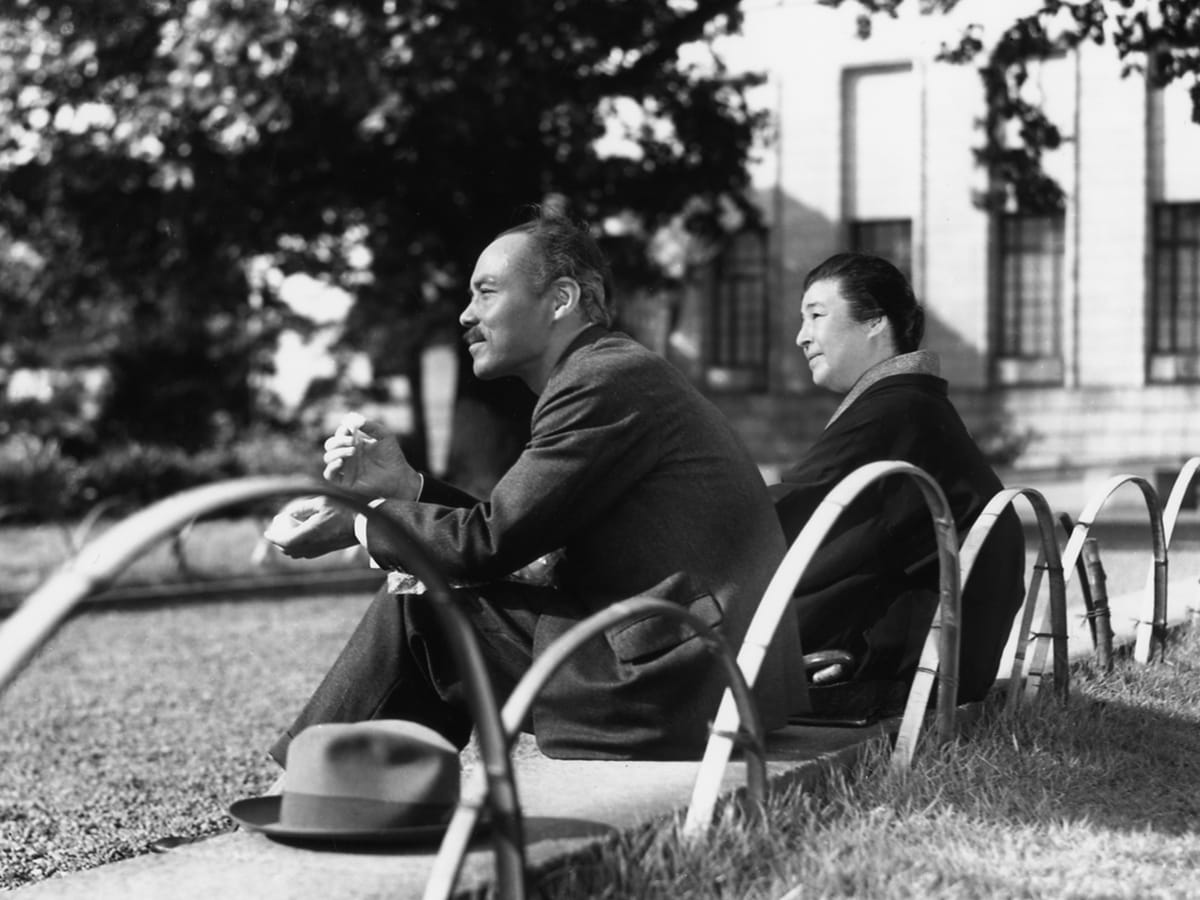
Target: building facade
1080	330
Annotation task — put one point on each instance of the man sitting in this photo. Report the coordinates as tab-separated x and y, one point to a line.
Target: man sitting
634	483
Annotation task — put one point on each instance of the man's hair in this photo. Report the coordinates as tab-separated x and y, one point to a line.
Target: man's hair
565	249
874	287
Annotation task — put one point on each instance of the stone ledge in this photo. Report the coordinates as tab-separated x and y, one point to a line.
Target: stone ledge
569	805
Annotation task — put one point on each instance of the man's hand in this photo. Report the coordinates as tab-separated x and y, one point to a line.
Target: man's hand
311	526
363	457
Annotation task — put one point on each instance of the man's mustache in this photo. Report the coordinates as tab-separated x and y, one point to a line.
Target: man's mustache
472	335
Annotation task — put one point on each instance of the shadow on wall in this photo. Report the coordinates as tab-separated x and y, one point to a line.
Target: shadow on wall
780	420
966	367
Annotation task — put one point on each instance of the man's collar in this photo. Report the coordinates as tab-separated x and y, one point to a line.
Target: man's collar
589	335
919	362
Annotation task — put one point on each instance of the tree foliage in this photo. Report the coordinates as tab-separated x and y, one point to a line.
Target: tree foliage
163	163
1157	38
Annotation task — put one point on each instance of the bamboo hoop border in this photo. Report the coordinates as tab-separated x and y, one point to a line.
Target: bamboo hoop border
45	610
97	563
1083	525
778	597
447	865
1048	560
1153	619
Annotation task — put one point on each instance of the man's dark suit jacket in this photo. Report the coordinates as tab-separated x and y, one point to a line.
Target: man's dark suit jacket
872	587
648	491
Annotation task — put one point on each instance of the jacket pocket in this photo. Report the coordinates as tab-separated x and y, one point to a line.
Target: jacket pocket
654	635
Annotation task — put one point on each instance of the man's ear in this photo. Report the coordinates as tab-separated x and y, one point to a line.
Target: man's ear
566	297
878	326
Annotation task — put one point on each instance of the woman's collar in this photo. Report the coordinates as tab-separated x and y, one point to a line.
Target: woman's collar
919	362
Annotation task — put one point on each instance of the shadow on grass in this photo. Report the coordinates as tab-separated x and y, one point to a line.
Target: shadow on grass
1145	775
1051	800
1123	755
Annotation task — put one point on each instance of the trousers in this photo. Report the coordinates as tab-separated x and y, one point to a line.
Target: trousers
397	664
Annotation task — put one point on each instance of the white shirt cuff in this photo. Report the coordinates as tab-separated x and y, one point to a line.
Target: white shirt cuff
360	528
360	521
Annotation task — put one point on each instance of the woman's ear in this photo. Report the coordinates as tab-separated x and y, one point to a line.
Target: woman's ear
566	297
878	326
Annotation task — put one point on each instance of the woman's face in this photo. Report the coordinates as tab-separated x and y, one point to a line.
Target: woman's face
838	348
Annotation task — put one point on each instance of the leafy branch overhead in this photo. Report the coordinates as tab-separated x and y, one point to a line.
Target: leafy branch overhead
162	165
1159	39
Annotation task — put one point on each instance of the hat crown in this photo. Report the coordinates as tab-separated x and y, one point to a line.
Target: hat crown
381	774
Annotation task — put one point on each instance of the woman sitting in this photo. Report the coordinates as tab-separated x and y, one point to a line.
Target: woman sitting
872	587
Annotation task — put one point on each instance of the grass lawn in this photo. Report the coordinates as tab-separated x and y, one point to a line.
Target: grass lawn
1095	801
210	549
135	724
132	725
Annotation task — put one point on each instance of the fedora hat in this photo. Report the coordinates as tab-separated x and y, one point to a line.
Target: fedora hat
380	781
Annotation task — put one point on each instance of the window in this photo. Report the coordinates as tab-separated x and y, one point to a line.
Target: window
881	161
1029	298
737	332
1175	293
889	238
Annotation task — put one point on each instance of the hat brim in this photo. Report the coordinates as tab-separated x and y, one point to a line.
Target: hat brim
262	814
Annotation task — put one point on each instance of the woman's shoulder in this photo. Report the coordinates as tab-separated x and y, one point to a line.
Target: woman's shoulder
900	395
917	382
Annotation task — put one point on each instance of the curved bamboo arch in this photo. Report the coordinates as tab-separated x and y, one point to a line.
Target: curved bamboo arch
45	610
1048	560
779	595
1074	546
1151	618
454	845
1175	499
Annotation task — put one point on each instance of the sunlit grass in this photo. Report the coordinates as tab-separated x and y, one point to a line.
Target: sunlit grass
212	549
134	725
1096	799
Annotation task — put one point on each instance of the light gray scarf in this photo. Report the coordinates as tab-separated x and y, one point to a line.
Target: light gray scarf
919	362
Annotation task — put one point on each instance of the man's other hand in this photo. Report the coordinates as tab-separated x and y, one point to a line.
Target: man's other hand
362	456
311	526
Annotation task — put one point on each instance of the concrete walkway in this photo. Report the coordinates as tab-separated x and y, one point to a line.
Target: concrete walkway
569	805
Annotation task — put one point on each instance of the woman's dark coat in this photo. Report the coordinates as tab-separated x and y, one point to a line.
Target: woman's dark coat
872	587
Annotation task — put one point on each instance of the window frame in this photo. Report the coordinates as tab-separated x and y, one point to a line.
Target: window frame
1167	361
1027	345
739	295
